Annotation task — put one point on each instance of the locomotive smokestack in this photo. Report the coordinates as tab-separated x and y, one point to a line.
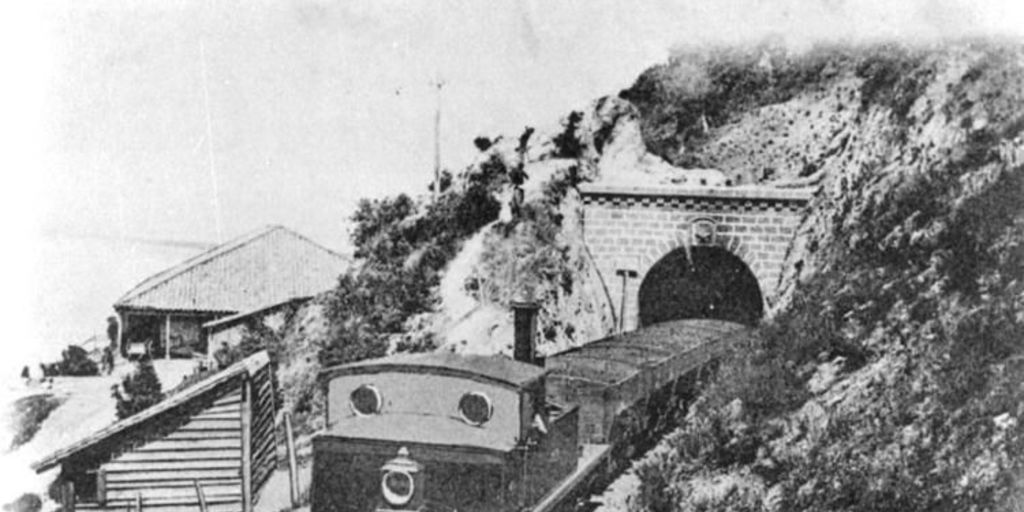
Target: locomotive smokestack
525	325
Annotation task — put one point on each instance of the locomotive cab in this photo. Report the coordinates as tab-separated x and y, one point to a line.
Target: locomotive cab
439	431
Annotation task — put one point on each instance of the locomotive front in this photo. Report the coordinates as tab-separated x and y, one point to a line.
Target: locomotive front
439	432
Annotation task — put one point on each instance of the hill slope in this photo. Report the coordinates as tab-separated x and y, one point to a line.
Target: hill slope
891	378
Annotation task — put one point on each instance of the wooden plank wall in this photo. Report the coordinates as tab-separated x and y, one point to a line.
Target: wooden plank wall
163	471
264	445
207	447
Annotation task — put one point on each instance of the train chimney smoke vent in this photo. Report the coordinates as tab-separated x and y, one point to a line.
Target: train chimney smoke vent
525	326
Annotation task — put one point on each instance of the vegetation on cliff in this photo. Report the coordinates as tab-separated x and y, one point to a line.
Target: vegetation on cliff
890	379
27	415
138	391
403	248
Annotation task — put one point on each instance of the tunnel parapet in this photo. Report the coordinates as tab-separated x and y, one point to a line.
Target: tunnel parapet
630	229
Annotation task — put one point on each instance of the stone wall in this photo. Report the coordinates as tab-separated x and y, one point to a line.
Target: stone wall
628	229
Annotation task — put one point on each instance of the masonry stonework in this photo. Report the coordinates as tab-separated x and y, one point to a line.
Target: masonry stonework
628	229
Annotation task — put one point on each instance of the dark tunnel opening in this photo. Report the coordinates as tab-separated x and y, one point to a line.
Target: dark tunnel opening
711	283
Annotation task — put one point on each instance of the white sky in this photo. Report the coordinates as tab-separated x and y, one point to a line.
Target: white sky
203	119
309	105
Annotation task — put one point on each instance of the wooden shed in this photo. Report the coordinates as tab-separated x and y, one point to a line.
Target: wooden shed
211	443
267	268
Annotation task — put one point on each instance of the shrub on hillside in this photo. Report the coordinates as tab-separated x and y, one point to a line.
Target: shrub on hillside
138	391
74	361
257	336
356	311
701	88
567	143
915	285
375	219
28	415
27	502
404	249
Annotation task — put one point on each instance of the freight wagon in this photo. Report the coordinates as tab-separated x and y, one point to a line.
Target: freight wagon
446	432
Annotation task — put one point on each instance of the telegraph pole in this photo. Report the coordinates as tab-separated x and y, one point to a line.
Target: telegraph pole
438	83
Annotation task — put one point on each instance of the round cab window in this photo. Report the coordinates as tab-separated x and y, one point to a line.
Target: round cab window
475	408
365	400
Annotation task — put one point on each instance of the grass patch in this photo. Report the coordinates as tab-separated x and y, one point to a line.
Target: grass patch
28	415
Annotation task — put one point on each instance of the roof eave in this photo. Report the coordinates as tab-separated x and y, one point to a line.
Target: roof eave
249	366
363	369
130	308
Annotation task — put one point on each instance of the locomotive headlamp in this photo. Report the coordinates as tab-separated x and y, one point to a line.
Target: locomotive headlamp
400	474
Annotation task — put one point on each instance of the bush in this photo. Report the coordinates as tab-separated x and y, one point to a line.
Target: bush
138	391
74	362
567	143
894	76
404	252
702	86
27	502
256	336
357	313
29	414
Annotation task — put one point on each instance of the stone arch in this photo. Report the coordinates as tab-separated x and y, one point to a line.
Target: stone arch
704	281
681	241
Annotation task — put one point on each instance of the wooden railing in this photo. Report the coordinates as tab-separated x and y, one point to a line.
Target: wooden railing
199	373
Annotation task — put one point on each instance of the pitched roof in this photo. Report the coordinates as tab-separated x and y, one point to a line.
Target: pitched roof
249	365
225	322
268	266
494	368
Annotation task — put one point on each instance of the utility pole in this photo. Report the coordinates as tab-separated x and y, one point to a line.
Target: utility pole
438	83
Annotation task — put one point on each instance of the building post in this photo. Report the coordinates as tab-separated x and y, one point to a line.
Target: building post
524	322
67	496
247	403
627	269
293	470
122	327
167	336
200	495
101	486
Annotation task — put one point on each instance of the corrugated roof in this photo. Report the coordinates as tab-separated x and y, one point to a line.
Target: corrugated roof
496	368
250	365
268	266
237	318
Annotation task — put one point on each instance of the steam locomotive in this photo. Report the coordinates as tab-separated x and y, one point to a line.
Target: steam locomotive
446	432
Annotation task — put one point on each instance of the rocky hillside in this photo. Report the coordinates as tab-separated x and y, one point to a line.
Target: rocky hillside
890	379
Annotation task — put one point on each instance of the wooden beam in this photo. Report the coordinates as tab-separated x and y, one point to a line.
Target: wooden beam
293	470
247	400
67	496
101	485
167	337
201	496
122	324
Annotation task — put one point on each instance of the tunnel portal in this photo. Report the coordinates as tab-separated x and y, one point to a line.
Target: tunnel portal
706	282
